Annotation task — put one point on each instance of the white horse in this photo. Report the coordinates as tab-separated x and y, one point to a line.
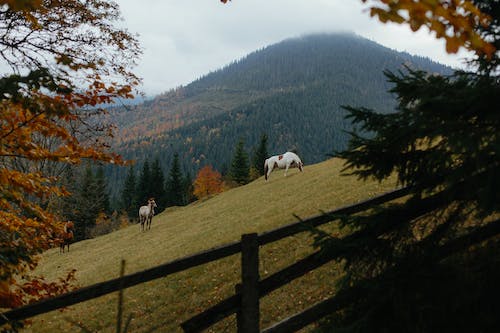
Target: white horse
146	213
284	161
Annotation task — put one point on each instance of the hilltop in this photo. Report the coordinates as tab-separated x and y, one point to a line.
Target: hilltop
180	231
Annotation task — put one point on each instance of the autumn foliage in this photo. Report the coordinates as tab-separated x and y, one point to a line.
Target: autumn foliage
66	59
455	21
208	182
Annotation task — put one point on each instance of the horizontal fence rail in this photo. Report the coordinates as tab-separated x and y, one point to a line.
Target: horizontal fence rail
107	287
113	285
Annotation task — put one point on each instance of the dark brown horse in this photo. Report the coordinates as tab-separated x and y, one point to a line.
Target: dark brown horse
67	236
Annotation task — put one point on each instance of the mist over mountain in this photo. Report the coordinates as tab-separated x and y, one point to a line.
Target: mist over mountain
292	91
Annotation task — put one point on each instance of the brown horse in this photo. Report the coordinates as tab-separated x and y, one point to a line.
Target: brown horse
67	236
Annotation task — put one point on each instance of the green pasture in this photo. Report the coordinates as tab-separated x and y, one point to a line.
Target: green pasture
161	305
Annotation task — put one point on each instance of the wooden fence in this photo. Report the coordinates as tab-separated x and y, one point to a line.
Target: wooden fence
245	302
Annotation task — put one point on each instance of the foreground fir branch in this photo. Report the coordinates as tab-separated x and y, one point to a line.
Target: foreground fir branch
429	263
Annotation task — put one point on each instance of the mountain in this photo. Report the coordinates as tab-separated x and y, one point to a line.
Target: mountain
293	91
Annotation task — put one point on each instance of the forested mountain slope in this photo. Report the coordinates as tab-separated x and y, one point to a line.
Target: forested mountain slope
291	91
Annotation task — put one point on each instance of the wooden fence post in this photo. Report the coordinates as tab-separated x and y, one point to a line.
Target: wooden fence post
119	313
249	319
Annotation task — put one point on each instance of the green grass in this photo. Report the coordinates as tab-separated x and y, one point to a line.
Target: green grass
161	305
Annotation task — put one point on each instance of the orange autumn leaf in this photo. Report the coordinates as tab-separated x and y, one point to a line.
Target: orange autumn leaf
456	22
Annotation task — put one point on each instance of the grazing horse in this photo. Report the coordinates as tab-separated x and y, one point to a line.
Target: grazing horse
284	161
146	213
67	236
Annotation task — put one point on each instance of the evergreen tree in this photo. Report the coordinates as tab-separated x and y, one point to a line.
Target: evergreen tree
158	184
144	186
83	206
188	189
102	195
174	185
70	183
260	155
88	203
436	252
240	171
129	197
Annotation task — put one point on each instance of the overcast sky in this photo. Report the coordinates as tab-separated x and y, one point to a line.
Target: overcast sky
183	40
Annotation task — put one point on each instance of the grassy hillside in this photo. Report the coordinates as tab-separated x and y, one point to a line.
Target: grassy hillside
161	305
